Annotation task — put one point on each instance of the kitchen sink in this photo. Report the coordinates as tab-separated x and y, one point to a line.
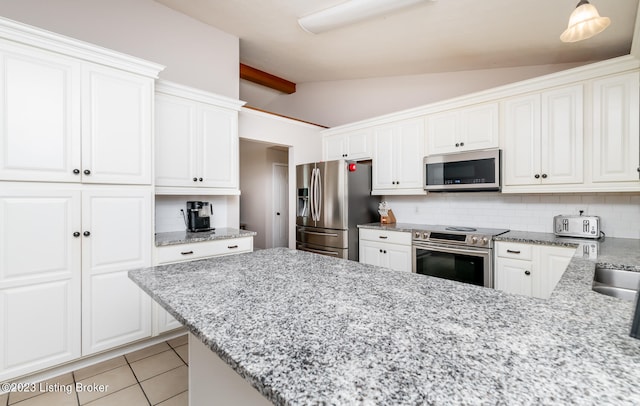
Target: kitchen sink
616	282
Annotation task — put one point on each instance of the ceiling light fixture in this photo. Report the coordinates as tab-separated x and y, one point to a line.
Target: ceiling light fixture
584	22
350	12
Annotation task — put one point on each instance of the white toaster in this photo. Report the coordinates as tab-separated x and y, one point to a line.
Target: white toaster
577	226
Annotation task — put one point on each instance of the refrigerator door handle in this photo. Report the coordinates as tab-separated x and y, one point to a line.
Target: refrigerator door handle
319	208
312	194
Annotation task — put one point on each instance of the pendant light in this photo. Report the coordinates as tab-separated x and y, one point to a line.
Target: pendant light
584	22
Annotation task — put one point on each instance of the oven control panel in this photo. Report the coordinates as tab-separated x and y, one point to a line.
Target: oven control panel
477	240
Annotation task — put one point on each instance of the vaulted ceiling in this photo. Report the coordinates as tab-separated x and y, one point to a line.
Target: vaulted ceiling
433	36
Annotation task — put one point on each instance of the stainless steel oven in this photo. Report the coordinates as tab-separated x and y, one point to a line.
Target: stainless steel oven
461	254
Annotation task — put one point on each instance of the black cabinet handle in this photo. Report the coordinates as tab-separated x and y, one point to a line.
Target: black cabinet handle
86	233
76	234
527	272
457	144
232	247
76	171
462	144
87	172
381	250
195	179
383	237
513	252
544	176
186	252
200	179
537	176
384	251
278	213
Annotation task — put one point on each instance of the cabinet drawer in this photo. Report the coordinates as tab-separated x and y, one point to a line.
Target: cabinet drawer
392	237
197	250
514	250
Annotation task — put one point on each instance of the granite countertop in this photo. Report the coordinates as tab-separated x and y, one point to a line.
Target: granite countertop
306	329
185	237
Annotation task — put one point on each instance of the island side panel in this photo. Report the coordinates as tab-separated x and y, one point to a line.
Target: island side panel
211	380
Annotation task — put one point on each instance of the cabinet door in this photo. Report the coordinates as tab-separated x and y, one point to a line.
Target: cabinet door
334	147
480	127
521	149
39	279
443	132
39	115
175	139
562	136
218	147
615	146
358	144
410	154
553	261
370	253
384	165
398	257
115	311
164	321
514	276
116	126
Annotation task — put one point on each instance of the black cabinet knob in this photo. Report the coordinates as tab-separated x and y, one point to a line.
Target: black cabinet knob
278	213
380	250
544	176
195	179
76	234
86	233
537	176
76	171
384	251
638	168
87	172
527	272
457	144
200	179
462	144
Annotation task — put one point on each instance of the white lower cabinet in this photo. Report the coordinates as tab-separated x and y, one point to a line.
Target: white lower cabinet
389	249
115	310
168	254
39	278
530	270
64	257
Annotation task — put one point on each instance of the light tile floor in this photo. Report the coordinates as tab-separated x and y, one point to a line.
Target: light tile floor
156	375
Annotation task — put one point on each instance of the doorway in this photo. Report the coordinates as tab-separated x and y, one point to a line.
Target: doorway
264	192
280	196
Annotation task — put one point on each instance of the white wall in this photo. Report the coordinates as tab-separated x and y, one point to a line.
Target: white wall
256	184
195	54
304	140
334	103
619	213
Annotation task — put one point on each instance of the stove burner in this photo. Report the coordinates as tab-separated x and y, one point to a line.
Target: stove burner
461	229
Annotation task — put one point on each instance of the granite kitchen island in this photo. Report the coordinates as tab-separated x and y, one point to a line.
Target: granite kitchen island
308	329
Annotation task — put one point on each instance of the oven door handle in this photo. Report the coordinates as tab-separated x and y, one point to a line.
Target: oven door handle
452	250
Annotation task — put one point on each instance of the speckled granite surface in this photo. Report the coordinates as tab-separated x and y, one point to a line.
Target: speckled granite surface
406	227
309	329
185	237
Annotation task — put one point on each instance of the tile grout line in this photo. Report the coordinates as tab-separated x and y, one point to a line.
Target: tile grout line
138	382
73	375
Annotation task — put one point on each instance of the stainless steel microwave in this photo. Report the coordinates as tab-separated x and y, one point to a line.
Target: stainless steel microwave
463	171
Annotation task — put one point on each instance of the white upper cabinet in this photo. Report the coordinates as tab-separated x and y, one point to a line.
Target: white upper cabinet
397	158
196	141
543	139
39	115
68	120
352	145
116	126
464	129
615	140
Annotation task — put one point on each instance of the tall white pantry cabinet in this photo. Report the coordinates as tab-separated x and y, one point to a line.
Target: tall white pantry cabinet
76	194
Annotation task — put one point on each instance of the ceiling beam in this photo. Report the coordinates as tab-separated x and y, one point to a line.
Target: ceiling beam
266	79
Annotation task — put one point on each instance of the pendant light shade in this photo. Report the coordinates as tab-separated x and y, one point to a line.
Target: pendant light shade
584	22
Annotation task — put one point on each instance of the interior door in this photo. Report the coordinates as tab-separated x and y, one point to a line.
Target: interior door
280	207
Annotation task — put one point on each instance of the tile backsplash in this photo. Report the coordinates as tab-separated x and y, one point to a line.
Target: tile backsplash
619	213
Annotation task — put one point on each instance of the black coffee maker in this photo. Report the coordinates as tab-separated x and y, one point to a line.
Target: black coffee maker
199	216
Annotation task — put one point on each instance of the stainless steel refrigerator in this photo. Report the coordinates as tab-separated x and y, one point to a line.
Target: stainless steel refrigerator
333	198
